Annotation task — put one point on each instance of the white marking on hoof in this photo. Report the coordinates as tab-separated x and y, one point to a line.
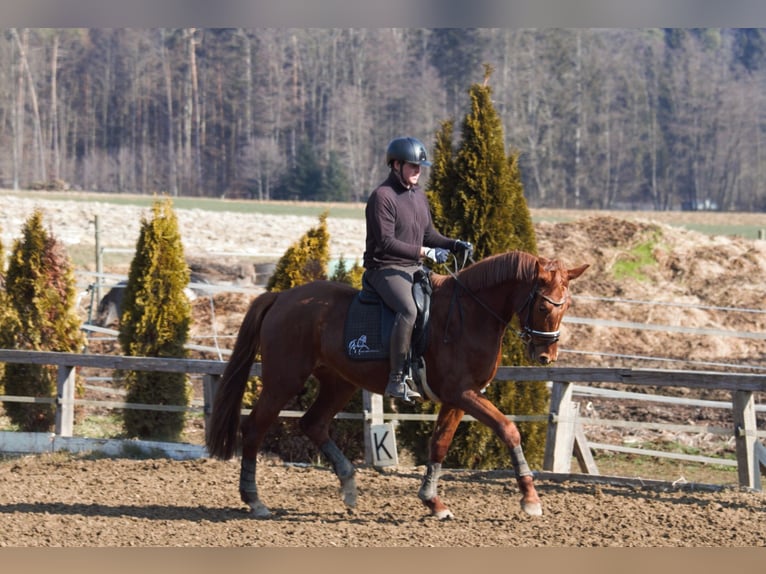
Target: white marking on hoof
532	508
259	510
445	514
348	490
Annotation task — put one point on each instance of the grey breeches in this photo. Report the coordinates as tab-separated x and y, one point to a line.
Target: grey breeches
394	286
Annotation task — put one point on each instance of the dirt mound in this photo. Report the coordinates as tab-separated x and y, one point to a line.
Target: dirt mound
647	269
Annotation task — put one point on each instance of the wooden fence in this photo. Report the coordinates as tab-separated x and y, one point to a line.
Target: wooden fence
565	437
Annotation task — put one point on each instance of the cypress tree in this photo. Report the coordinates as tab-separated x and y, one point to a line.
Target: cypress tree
37	313
304	261
155	323
477	195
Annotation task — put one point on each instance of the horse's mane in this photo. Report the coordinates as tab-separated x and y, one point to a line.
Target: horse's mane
500	268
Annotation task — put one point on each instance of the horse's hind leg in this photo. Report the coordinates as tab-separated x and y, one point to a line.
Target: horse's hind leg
265	412
334	394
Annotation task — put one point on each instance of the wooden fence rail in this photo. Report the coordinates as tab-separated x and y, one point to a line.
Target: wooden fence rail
564	439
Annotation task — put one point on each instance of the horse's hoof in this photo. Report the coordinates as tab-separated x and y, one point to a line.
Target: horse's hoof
348	489
259	510
445	514
532	508
438	509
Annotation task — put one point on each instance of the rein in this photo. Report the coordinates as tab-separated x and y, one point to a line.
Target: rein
527	333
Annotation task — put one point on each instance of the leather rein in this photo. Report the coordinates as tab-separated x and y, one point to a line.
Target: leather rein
527	333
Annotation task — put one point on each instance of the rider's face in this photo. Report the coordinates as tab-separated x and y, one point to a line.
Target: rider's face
410	173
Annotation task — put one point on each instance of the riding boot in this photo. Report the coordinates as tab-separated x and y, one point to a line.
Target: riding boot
398	387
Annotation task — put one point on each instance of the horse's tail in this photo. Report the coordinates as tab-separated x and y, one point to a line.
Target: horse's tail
223	426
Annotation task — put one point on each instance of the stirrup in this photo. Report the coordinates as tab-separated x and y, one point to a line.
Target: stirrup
399	389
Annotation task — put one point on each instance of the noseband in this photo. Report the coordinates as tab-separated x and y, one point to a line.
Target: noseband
528	334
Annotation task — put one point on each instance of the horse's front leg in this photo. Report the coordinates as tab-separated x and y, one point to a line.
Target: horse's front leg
444	431
483	410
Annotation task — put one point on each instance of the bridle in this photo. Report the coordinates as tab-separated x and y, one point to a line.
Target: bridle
527	333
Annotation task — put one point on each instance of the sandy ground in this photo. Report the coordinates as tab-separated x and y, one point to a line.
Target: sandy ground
53	500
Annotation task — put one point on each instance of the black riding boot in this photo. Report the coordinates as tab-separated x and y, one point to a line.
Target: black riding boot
398	387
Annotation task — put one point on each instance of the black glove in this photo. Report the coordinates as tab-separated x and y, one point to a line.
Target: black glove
437	254
462	247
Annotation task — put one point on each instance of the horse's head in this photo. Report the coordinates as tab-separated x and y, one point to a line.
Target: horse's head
544	309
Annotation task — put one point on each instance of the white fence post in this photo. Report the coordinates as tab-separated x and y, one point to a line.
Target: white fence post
372	406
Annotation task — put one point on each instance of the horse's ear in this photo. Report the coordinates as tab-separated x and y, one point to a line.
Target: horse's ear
577	271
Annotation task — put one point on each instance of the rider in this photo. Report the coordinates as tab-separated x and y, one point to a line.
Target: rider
399	234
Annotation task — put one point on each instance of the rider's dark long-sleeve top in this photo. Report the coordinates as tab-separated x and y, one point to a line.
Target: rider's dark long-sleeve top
398	225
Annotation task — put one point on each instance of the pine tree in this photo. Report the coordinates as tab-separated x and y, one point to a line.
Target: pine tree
155	323
477	195
37	313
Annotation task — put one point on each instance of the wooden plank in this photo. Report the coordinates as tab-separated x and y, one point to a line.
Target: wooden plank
706	331
760	455
628	481
663	454
118	362
745	438
210	385
583	453
559	439
65	384
653	377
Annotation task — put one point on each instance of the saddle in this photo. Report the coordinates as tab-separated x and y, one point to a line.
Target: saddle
369	320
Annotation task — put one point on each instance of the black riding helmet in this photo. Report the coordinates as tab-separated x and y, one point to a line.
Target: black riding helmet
407	149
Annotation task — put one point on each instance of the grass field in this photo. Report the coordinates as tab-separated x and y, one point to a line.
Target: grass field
748	225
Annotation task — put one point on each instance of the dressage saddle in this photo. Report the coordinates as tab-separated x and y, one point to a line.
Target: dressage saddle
369	321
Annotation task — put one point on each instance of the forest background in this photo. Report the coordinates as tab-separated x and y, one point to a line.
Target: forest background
601	118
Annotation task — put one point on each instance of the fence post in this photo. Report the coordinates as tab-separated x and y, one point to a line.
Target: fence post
560	437
748	467
209	388
65	383
372	406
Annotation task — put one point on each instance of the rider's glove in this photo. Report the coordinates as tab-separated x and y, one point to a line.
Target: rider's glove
462	247
437	254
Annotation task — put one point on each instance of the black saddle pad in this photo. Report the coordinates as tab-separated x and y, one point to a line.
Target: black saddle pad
368	328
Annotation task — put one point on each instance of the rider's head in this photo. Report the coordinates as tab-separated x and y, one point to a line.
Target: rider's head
405	156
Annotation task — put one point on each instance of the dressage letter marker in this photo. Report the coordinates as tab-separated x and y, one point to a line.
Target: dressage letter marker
384	445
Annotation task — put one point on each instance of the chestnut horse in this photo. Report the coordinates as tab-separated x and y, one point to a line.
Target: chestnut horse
299	332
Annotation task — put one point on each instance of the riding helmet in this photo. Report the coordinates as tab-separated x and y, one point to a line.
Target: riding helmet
407	149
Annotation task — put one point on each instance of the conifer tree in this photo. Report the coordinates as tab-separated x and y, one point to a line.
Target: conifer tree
351	276
155	323
304	261
37	313
476	194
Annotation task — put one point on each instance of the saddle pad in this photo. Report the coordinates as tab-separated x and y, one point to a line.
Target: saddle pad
367	330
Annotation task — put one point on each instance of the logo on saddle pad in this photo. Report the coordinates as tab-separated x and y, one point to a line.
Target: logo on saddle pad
358	346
